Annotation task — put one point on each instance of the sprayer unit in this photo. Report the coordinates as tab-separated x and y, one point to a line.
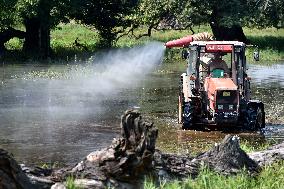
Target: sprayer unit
215	90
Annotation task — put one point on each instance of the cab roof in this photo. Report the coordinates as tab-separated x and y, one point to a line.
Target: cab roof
203	43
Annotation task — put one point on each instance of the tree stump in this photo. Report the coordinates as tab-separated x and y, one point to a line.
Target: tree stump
126	160
11	174
271	155
228	158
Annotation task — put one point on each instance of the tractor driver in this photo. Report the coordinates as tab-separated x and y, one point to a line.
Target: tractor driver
218	63
215	66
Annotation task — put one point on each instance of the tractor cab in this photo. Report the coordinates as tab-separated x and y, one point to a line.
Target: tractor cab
215	90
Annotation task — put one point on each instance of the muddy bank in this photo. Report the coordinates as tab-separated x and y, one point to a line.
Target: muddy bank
131	157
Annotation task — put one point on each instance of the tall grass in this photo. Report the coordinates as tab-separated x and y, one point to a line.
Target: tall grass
271	177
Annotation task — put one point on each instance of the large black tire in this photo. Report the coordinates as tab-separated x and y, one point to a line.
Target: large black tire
259	118
254	119
187	117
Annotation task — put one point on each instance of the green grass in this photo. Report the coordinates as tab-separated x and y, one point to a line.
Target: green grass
271	177
70	184
252	146
270	41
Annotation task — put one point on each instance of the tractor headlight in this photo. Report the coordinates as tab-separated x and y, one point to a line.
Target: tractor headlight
220	107
231	107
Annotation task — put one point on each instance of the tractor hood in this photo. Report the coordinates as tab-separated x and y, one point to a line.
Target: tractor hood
215	84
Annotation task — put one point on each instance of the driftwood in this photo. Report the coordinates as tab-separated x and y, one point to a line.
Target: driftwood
126	162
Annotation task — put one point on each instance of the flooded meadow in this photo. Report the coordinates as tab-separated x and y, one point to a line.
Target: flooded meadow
59	114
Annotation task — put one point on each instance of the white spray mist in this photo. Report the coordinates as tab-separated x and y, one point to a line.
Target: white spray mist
59	119
82	95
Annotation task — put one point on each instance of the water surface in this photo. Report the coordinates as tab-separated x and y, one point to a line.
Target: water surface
47	120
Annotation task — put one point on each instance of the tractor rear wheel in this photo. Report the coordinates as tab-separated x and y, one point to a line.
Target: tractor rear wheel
259	118
254	119
187	116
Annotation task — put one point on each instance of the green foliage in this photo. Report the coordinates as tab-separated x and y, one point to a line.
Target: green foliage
261	13
50	12
115	18
109	17
8	13
269	40
266	13
151	12
248	146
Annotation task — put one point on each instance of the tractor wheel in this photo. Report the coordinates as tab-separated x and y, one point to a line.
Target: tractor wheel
187	117
254	119
259	118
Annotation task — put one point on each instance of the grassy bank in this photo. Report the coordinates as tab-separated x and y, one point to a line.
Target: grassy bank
271	177
270	41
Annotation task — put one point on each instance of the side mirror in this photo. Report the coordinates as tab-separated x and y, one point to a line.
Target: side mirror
256	55
184	54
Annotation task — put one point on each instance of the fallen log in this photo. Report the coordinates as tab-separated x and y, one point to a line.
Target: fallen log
267	157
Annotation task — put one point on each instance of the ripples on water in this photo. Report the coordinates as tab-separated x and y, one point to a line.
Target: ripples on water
35	134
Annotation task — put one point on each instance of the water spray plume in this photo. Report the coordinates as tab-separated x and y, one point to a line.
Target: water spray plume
53	110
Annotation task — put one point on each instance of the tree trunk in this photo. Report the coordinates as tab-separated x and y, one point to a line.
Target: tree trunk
225	33
45	41
37	41
32	42
233	33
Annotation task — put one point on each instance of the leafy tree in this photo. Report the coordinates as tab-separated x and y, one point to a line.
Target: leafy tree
9	17
266	13
109	17
226	17
161	12
38	17
8	14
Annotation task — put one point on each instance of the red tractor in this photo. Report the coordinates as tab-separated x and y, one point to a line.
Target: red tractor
215	90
